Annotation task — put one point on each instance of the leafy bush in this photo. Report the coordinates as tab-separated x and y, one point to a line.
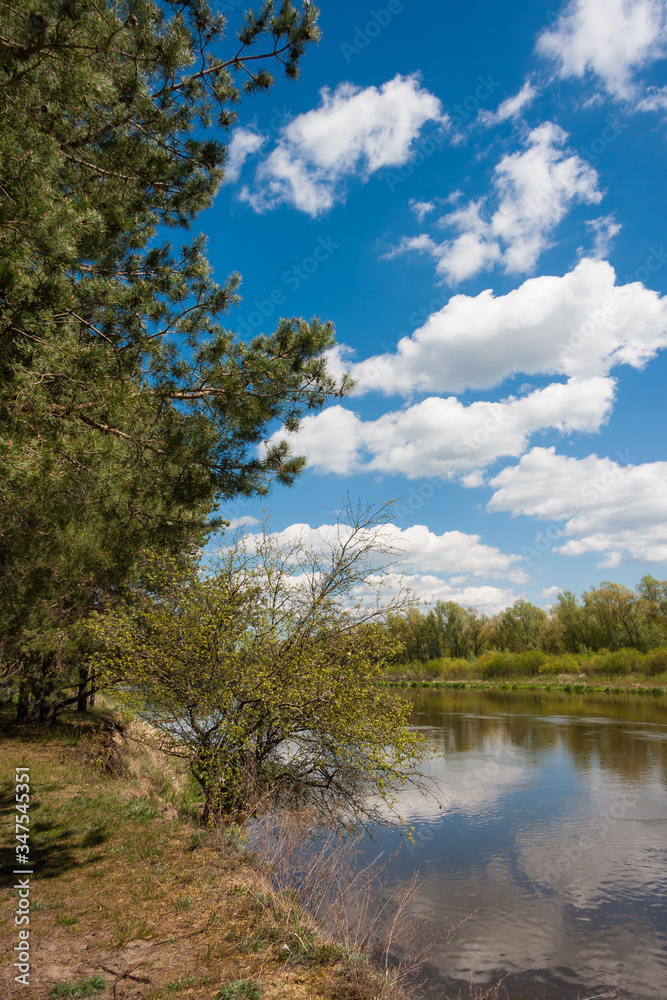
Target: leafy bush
528	664
455	670
655	662
500	665
554	665
264	675
617	664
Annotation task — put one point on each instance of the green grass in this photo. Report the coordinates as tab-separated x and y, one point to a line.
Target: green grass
184	983
76	991
240	988
631	686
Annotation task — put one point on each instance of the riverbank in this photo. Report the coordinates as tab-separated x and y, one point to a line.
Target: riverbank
562	685
622	671
131	897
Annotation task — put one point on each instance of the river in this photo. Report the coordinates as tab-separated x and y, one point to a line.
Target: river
550	836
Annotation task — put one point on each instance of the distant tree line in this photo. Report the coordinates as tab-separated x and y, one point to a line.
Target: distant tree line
609	617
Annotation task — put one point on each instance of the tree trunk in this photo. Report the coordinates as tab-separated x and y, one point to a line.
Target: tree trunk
83	692
23	702
46	705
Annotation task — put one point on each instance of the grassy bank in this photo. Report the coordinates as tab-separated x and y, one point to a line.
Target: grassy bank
132	897
565	685
623	671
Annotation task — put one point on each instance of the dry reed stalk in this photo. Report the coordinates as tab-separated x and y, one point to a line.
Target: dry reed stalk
386	942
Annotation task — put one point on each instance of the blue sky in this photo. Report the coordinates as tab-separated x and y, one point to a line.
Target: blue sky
474	195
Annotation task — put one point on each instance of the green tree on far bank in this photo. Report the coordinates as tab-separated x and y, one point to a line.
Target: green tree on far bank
518	628
608	617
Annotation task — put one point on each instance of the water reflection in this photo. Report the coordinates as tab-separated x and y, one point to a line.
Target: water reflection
552	829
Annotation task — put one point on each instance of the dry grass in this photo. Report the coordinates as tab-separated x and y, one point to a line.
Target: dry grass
125	890
323	884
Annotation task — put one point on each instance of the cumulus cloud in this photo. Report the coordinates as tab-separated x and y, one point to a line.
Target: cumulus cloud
353	131
533	190
444	437
417	549
614	508
604	230
241	522
511	107
609	39
580	325
429	588
244	143
548	592
421	208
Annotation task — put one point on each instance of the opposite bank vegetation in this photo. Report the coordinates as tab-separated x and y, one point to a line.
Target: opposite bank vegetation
612	639
623	671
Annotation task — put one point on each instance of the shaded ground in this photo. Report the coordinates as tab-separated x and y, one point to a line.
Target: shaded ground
122	888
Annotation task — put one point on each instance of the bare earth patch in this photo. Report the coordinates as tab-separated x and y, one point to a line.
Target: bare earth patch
125	890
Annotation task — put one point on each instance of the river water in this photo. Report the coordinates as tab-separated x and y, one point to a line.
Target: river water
550	835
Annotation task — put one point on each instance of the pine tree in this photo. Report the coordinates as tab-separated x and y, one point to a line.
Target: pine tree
127	410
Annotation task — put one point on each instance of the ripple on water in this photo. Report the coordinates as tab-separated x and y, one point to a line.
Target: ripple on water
549	853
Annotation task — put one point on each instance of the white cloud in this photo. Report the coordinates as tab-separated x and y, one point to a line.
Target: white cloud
244	143
337	430
654	99
353	131
611	39
536	189
582	324
430	589
471	480
594	504
241	522
533	190
604	230
443	437
421	208
511	107
418	549
476	249
548	592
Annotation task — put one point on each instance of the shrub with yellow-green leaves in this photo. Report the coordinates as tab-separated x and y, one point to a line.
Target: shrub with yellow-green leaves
264	672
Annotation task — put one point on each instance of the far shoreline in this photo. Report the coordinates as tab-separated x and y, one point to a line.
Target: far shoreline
565	685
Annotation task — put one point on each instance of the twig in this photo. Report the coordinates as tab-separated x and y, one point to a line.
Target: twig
181	936
125	975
